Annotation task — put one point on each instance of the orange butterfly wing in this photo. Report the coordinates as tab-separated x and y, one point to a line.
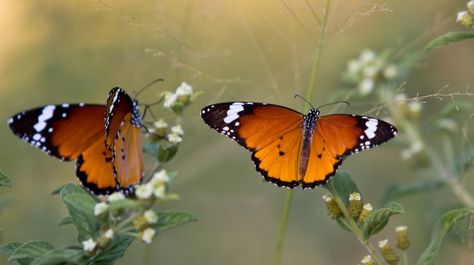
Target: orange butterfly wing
272	133
127	154
337	136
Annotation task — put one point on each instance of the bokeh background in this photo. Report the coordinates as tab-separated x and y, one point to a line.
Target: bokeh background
76	51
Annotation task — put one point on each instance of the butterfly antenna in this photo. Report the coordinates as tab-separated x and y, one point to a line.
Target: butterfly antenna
305	100
335	102
147	86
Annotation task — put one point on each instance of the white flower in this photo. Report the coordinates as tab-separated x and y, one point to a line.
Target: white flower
109	234
371	71
177	129
354	66
462	16
144	191
470	6
414	107
367	55
367	260
400	98
159	191
147	235
174	138
89	245
100	208
170	100
150	217
116	196
159	178
160	124
184	90
366	86
390	71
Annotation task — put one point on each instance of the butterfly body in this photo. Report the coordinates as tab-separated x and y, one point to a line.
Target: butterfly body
292	149
104	140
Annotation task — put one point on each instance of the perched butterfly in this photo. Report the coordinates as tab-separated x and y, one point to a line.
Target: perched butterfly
290	148
104	139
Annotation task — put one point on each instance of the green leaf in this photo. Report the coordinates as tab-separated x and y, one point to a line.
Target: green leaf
30	250
168	220
66	221
166	151
60	256
80	206
344	185
4	180
397	191
449	38
10	247
126	204
441	228
378	219
71	188
117	248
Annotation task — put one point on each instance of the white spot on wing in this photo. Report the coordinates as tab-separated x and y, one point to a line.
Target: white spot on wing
45	115
37	136
371	125
233	112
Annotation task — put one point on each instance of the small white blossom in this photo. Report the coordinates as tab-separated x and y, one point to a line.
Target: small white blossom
89	245
401	228
150	217
159	191
470	6
109	234
170	100
367	55
371	71
367	260
159	177
390	71
465	19
174	138
400	98
160	124
100	208
177	129
147	235
184	90
366	86
414	107
354	66
144	191
116	196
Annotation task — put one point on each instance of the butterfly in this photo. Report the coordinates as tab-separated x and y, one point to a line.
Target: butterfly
104	140
291	149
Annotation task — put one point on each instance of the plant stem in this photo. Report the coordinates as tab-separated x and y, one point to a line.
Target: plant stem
289	195
405	257
283	227
355	228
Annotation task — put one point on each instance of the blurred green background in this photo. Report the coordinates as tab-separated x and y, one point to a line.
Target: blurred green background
76	51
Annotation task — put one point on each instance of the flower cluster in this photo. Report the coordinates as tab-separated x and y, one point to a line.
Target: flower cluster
466	17
181	98
368	69
155	188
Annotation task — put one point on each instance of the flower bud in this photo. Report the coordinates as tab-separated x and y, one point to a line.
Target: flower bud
355	205
470	6
104	240
389	255
367	260
333	208
465	19
90	247
147	235
140	223
403	242
366	210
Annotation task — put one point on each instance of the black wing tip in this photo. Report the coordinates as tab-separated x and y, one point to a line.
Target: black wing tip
92	187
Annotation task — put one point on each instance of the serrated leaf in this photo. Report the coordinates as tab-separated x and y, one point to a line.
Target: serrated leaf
168	220
449	38
71	188
397	191
344	185
379	218
30	250
4	180
81	209
117	248
60	256
441	228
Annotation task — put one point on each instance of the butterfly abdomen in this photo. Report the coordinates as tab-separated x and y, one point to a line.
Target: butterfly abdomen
309	125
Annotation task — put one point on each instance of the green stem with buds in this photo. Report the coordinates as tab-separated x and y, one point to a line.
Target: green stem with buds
355	228
289	196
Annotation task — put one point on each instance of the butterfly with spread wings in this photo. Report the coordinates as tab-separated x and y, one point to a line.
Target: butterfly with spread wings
290	148
105	140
